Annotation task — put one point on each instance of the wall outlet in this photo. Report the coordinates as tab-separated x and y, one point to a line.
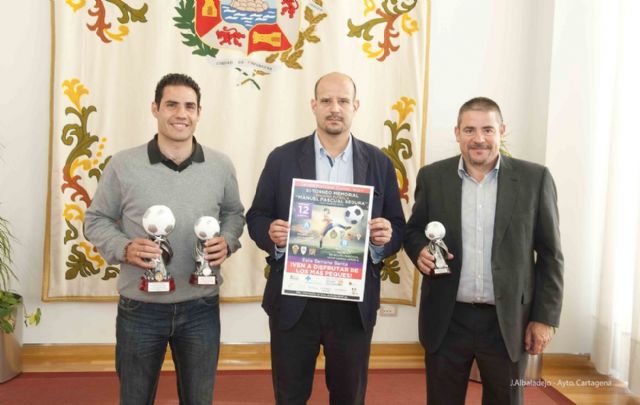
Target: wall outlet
388	310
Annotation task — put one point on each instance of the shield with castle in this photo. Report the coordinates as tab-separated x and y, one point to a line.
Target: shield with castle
248	25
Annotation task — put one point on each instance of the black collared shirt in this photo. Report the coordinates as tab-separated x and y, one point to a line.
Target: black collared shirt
155	156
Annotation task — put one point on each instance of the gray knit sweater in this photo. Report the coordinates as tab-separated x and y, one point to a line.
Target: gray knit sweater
130	184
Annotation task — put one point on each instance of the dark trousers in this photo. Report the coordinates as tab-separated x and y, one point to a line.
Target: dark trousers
474	333
335	325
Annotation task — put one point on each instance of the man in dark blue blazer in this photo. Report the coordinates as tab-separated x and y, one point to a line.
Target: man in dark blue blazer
300	325
503	297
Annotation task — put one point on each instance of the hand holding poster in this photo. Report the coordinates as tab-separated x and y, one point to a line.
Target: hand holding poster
328	240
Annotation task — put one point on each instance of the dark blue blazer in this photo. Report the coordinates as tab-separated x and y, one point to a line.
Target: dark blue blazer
296	159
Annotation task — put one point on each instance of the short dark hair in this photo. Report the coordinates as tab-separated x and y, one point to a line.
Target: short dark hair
315	88
480	104
175	79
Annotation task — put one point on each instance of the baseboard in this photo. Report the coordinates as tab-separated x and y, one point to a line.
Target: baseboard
254	356
63	357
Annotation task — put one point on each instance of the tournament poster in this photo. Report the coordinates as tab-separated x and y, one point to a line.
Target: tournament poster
328	244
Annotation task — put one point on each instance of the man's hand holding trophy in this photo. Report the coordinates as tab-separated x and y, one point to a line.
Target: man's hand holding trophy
432	259
155	253
158	221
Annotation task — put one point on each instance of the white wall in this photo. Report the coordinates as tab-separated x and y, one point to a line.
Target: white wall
580	110
500	49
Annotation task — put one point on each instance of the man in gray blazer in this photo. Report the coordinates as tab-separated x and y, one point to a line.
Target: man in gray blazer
503	296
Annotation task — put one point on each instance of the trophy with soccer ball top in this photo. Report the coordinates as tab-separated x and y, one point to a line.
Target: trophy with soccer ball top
205	229
159	221
435	233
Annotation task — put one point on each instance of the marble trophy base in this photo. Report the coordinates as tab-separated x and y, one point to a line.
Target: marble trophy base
440	271
153	286
203	280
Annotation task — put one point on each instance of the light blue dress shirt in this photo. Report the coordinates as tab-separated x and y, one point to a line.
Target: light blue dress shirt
338	170
478	216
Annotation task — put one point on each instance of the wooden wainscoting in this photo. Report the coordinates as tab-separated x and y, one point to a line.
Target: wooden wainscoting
39	358
573	375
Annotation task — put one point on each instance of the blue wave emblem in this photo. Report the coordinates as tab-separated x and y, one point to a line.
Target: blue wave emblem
248	18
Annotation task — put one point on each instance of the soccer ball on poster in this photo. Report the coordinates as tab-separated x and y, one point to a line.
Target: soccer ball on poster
353	215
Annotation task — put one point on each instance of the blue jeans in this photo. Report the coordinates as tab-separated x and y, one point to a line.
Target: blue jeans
191	328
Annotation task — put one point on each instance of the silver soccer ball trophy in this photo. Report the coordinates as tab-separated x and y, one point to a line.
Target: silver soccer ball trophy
205	228
158	221
435	232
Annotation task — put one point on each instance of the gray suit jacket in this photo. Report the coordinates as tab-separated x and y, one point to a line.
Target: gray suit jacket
526	259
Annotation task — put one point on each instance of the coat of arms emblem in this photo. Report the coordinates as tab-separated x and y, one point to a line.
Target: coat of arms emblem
254	34
248	25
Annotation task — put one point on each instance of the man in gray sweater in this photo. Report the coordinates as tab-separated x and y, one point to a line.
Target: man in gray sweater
174	170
